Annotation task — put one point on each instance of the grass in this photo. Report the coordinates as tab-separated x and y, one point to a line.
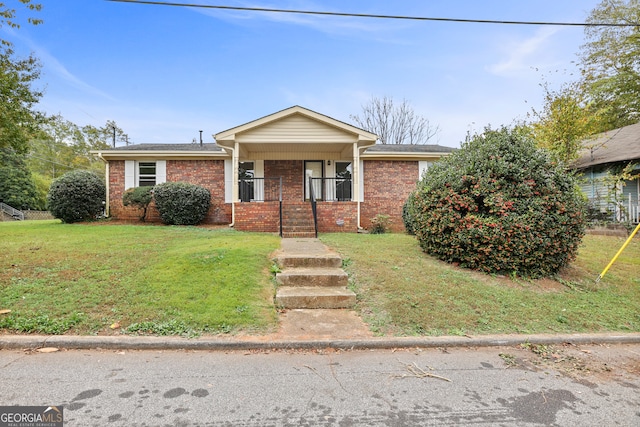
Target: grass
104	279
402	291
58	278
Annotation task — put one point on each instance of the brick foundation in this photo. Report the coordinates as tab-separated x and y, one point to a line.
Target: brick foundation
258	216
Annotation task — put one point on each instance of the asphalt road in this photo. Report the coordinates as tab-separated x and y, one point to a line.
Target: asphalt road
511	386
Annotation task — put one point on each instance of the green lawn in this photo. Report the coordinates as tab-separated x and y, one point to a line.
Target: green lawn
405	292
83	279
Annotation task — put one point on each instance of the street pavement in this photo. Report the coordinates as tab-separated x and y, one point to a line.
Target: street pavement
324	368
524	385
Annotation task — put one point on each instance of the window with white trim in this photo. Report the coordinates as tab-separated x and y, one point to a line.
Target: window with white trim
146	174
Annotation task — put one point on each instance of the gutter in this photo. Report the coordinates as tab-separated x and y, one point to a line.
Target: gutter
106	179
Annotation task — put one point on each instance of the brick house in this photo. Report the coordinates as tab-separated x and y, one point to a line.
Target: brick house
263	175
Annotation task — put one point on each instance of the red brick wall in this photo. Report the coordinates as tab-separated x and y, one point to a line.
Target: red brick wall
258	216
387	184
331	213
292	178
206	173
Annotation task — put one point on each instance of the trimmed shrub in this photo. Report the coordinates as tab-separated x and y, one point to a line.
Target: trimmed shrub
500	205
408	215
76	196
181	203
380	224
139	197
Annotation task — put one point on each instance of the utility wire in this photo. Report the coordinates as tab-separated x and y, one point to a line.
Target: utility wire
367	15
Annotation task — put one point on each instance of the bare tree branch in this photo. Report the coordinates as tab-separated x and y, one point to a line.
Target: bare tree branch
395	124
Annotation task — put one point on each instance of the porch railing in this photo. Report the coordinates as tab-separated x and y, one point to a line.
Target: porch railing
332	189
312	199
619	211
260	189
14	213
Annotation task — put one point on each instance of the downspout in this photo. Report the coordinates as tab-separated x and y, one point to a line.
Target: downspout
234	182
106	179
360	176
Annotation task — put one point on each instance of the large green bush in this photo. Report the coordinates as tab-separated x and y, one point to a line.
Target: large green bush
501	206
181	203
76	196
140	197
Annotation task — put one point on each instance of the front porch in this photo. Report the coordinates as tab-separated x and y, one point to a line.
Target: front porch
296	172
291	201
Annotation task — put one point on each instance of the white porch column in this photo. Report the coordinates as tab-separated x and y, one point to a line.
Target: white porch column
356	176
234	175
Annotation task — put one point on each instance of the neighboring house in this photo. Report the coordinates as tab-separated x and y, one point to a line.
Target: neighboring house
601	162
261	174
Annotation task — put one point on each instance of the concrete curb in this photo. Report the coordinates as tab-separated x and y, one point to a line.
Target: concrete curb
261	343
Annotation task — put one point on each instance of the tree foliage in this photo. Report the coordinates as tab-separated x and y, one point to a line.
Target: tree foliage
61	146
395	123
76	196
8	17
500	205
610	61
140	197
566	119
18	120
17	188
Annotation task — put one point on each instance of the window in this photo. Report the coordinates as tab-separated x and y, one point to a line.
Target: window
146	174
246	173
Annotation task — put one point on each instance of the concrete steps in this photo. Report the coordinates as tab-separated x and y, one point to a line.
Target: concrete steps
311	276
315	297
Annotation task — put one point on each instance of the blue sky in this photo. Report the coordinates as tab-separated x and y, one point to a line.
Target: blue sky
164	73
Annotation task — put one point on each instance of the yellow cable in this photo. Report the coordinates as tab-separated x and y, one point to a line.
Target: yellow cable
618	254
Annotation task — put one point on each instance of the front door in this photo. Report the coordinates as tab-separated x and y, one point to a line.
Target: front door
313	168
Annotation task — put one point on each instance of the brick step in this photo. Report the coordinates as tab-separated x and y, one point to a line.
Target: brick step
291	235
315	297
312	277
325	260
296	228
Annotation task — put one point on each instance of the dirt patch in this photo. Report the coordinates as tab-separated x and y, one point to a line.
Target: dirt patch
588	364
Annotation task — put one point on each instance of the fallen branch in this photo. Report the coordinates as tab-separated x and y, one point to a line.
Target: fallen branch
416	372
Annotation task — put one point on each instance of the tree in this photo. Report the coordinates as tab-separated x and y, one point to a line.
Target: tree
18	120
395	123
565	121
499	205
17	187
609	61
62	146
8	17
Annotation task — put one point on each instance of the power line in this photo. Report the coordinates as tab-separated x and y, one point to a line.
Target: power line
367	15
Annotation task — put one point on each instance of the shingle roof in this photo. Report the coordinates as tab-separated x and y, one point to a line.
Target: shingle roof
405	148
168	147
616	145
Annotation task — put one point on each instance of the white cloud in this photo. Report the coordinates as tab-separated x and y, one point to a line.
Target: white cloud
524	55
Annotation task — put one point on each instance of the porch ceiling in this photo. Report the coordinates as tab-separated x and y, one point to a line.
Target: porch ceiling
296	151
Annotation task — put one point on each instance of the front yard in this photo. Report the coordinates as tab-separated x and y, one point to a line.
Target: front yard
89	279
402	291
106	279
